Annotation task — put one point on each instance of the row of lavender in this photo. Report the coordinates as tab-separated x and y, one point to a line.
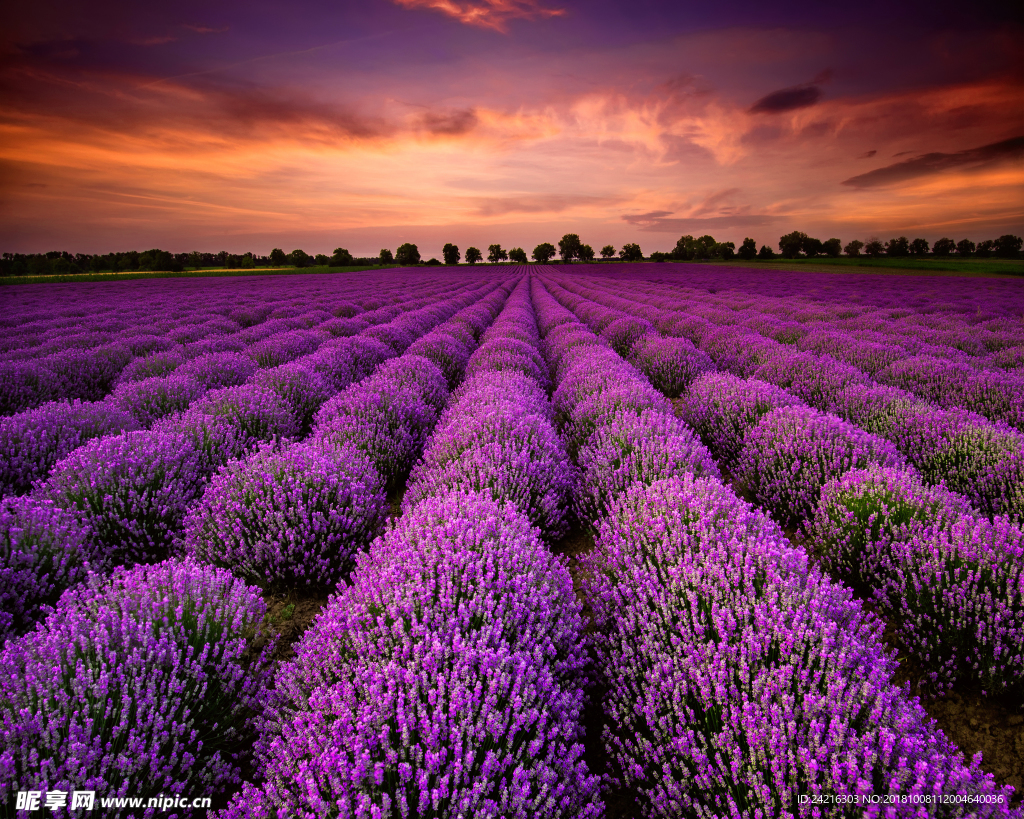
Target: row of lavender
166	660
951	580
447	678
976	315
123	498
942	358
739	676
980	458
164	382
131	332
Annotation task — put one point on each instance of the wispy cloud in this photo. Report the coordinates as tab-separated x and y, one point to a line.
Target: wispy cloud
493	14
933	163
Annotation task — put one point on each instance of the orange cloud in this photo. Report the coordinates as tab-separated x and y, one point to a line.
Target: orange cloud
488	13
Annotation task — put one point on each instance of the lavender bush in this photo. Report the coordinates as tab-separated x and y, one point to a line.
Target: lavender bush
670	364
33	441
137	685
302	389
721	407
635	448
442	682
154	398
794	451
288	516
737	678
42	553
131	490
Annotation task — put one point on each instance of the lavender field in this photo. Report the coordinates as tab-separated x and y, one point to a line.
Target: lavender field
522	541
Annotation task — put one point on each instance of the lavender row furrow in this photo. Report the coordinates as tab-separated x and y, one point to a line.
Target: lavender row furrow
446	679
739	676
131	492
87	364
31	442
981	459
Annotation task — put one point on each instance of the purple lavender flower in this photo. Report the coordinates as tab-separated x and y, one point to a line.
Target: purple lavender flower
861	513
635	448
304	390
670	364
32	441
624	332
216	370
737	679
258	412
131	490
443	680
42	553
959	595
794	451
155	364
288	516
137	685
25	384
157	397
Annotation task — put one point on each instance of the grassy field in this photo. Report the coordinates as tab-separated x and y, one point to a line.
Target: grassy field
952	266
186	274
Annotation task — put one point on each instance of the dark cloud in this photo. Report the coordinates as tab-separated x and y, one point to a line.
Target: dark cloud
788	99
927	164
451	123
867	154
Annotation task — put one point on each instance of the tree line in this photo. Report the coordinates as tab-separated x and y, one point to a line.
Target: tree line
570	248
799	245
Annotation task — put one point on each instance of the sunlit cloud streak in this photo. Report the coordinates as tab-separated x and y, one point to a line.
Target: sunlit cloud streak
493	14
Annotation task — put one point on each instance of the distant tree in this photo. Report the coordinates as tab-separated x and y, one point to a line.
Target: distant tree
473	255
965	247
495	254
195	260
299	258
96	264
433	262
543	252
631	252
874	248
569	247
518	255
277	257
812	247
898	247
706	247
685	249
222	258
724	250
247	262
386	257
943	247
586	253
919	247
341	258
984	249
791	244
322	260
765	253
1008	246
450	253
607	251
853	249
832	247
658	256
407	254
748	250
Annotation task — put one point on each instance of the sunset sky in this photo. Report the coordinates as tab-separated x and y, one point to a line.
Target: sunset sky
246	126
